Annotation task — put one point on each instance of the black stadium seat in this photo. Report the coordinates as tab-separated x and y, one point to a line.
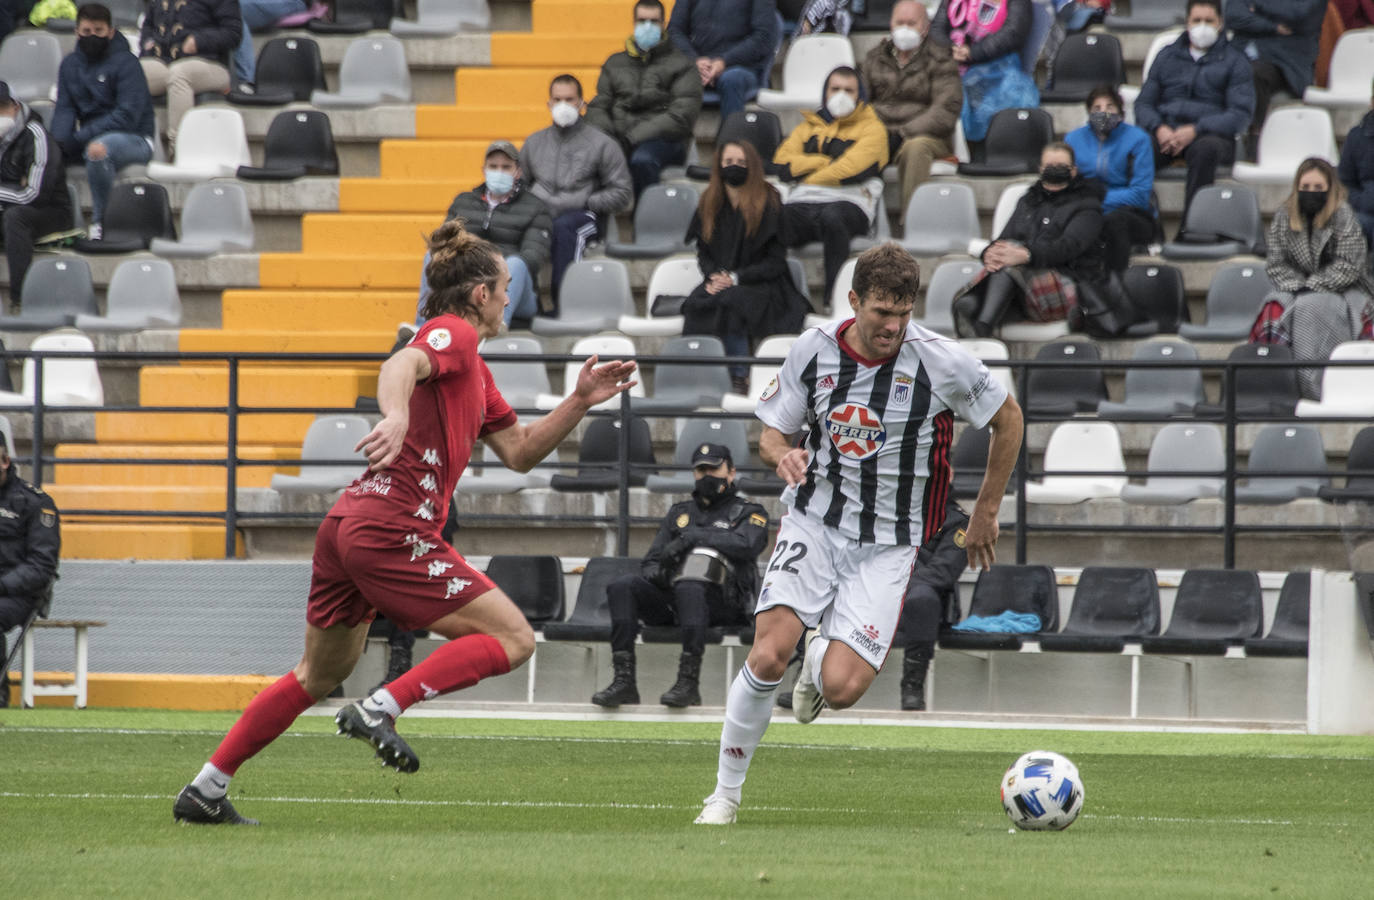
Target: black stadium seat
1015	138
755	126
1359	459
598	457
1261	391
1022	589
1110	607
1213	609
299	142
135	213
591	615
535	583
1066	392
288	69
1288	635
1081	63
1157	293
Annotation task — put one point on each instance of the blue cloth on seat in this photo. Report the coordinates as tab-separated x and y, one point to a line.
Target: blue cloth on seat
1006	623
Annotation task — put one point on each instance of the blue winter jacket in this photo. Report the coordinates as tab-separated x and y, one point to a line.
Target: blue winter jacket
95	98
1124	162
1215	94
1254	31
720	29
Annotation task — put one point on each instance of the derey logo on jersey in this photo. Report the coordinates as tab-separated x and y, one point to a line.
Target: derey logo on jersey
855	430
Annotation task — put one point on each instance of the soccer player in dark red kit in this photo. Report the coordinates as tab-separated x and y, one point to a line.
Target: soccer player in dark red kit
379	549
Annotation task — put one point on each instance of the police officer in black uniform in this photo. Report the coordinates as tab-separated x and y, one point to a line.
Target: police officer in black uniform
932	600
701	571
29	547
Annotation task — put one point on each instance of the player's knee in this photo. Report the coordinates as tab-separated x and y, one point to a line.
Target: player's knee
768	664
844	692
518	644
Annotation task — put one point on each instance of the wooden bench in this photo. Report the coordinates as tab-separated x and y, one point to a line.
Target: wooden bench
50	685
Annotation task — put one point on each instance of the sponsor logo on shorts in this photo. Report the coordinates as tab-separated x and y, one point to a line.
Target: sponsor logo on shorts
855	431
456	585
866	641
430	483
418	547
375	484
431	457
437	567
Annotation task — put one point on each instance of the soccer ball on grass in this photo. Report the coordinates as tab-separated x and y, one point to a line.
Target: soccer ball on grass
1042	792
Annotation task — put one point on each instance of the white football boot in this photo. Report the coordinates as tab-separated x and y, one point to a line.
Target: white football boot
718	811
807	700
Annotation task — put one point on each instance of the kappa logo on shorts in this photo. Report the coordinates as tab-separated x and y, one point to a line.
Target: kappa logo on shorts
439	338
456	585
855	431
438	567
418	547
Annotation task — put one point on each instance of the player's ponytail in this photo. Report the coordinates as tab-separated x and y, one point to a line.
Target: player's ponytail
459	261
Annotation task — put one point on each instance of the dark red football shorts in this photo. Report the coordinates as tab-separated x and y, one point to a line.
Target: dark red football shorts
410	575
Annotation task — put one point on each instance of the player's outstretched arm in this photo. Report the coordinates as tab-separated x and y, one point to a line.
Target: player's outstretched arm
520	447
395	384
1003	448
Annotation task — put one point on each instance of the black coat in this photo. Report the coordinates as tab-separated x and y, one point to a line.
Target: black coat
216	24
32	172
30	540
1357	165
765	301
734	527
1062	229
518	226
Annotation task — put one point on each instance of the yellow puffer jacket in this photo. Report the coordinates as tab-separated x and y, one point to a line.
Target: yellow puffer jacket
841	152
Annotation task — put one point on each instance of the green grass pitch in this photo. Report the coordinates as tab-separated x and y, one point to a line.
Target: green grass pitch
603	809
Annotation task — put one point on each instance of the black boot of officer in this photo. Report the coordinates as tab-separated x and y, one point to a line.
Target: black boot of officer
915	665
686	690
622	689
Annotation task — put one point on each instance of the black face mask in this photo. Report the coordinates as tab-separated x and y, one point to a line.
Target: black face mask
734	176
711	489
92	46
1311	202
1056	174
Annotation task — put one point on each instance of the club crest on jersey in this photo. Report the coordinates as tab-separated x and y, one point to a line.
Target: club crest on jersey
901	390
855	431
439	338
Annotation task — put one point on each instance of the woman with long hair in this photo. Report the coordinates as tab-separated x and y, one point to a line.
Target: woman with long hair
1318	264
747	293
379	549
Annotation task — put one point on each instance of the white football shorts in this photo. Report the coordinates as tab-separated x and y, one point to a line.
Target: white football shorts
853	591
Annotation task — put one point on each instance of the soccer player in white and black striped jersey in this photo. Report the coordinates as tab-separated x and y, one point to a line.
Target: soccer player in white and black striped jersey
859	423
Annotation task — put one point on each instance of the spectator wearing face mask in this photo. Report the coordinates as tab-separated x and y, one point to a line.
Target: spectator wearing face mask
836	156
914	87
648	97
502	211
578	172
33	187
1120	156
104	114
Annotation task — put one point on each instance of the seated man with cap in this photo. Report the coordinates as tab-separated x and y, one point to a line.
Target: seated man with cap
701	571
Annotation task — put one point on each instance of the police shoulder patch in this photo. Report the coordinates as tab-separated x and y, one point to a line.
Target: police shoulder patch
759	520
682	520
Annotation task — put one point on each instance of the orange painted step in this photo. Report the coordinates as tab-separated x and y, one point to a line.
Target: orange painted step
483	86
374	311
488	121
412	159
555	49
299	270
162	474
580	18
141	539
258	386
346	234
190	428
398	195
168	499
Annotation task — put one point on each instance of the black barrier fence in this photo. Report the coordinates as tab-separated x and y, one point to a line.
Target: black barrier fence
1226	417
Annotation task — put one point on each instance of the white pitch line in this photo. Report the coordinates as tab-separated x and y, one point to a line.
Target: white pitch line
1175	820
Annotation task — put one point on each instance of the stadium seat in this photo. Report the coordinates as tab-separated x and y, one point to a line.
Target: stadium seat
1080	447
941	218
1289	449
1350	73
135	213
1157	293
1013	144
356	17
1146	15
373	71
1181	447
683	387
691	434
1001	589
520	381
1223	220
535	583
606	347
591	616
598	458
1261	391
1359	467
760	374
1158	393
1213	609
662	216
288	69
55	292
676	276
441	18
29	61
809	60
215	219
329	440
1345	389
1288	633
211	143
1001	215
299	142
594	295
754	126
1290	135
142	294
946	281
1111	605
1063	393
66	382
1234	298
1082	62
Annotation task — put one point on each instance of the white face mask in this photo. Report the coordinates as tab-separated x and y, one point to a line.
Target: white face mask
906	39
1203	36
840	105
6	123
565	114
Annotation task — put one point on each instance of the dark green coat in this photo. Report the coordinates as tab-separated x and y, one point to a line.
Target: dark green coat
644	96
519	226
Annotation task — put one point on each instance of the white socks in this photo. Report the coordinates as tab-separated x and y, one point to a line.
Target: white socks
382	701
815	654
748	709
211	782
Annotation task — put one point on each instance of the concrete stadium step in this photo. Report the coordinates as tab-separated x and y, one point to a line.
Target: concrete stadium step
432	158
188	428
279	385
166	474
488	120
295	270
404	195
314	311
528	86
139	538
526	50
367	233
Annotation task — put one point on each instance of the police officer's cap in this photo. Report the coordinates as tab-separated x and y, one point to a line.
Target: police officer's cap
711	455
